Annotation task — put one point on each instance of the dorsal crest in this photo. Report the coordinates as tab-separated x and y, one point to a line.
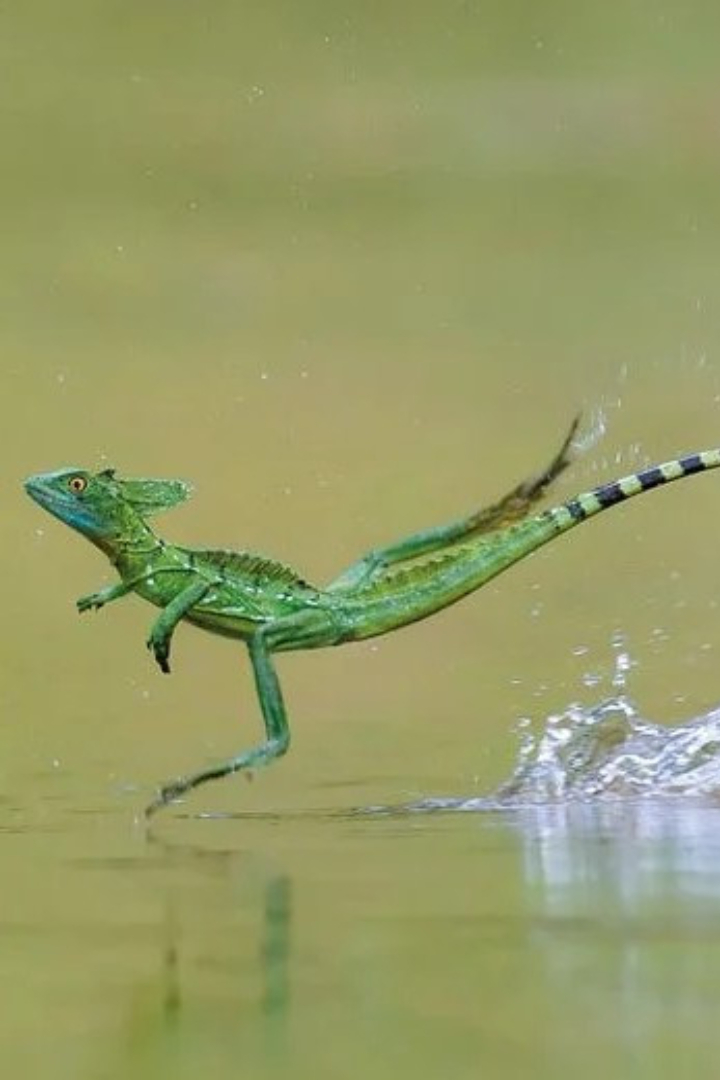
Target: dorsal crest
262	570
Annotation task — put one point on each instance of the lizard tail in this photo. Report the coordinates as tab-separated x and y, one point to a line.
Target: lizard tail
403	596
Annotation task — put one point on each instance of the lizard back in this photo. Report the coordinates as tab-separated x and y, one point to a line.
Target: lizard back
240	565
250	589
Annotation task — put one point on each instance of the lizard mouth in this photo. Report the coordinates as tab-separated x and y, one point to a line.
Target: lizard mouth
41	494
67	508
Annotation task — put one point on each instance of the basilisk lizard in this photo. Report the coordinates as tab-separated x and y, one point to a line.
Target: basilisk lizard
272	609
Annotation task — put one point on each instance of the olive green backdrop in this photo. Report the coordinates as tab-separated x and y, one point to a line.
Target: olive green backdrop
351	269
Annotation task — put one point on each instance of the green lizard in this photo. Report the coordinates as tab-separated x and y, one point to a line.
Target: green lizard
272	609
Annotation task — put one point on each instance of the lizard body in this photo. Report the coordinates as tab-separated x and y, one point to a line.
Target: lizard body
273	609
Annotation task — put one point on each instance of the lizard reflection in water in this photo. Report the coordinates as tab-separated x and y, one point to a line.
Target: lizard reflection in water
272	609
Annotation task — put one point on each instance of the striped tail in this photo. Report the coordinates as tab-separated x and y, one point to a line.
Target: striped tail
607	495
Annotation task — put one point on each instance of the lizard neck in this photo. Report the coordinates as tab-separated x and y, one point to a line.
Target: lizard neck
133	548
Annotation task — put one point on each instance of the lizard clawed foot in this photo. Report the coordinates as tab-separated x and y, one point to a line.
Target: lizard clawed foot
175	789
160	648
88	603
169	793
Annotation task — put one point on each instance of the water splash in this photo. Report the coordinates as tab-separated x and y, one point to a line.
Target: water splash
610	751
599	755
606	751
593	431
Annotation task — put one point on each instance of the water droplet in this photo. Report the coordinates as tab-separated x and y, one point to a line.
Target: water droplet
592	678
623	664
595	431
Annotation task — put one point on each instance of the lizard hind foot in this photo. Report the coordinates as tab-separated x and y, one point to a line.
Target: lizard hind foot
161	652
169	793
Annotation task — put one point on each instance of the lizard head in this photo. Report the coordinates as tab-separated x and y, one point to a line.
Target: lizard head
100	505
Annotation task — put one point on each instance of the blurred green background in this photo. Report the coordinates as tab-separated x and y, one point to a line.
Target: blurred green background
351	270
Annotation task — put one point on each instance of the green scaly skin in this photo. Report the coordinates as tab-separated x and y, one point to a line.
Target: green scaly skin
272	609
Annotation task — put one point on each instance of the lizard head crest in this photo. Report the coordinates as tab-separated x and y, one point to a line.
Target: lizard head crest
101	505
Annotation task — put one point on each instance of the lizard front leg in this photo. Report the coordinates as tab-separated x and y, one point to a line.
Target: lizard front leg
103	596
162	629
122	588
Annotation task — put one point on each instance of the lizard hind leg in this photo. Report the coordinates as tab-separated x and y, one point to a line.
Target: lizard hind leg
519	502
304	630
513	506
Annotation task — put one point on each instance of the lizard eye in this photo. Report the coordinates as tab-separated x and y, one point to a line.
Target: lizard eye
77	484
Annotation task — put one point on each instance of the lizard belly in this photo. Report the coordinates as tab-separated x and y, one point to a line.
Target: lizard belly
235	624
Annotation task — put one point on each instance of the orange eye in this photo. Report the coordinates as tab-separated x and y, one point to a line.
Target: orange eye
77	484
